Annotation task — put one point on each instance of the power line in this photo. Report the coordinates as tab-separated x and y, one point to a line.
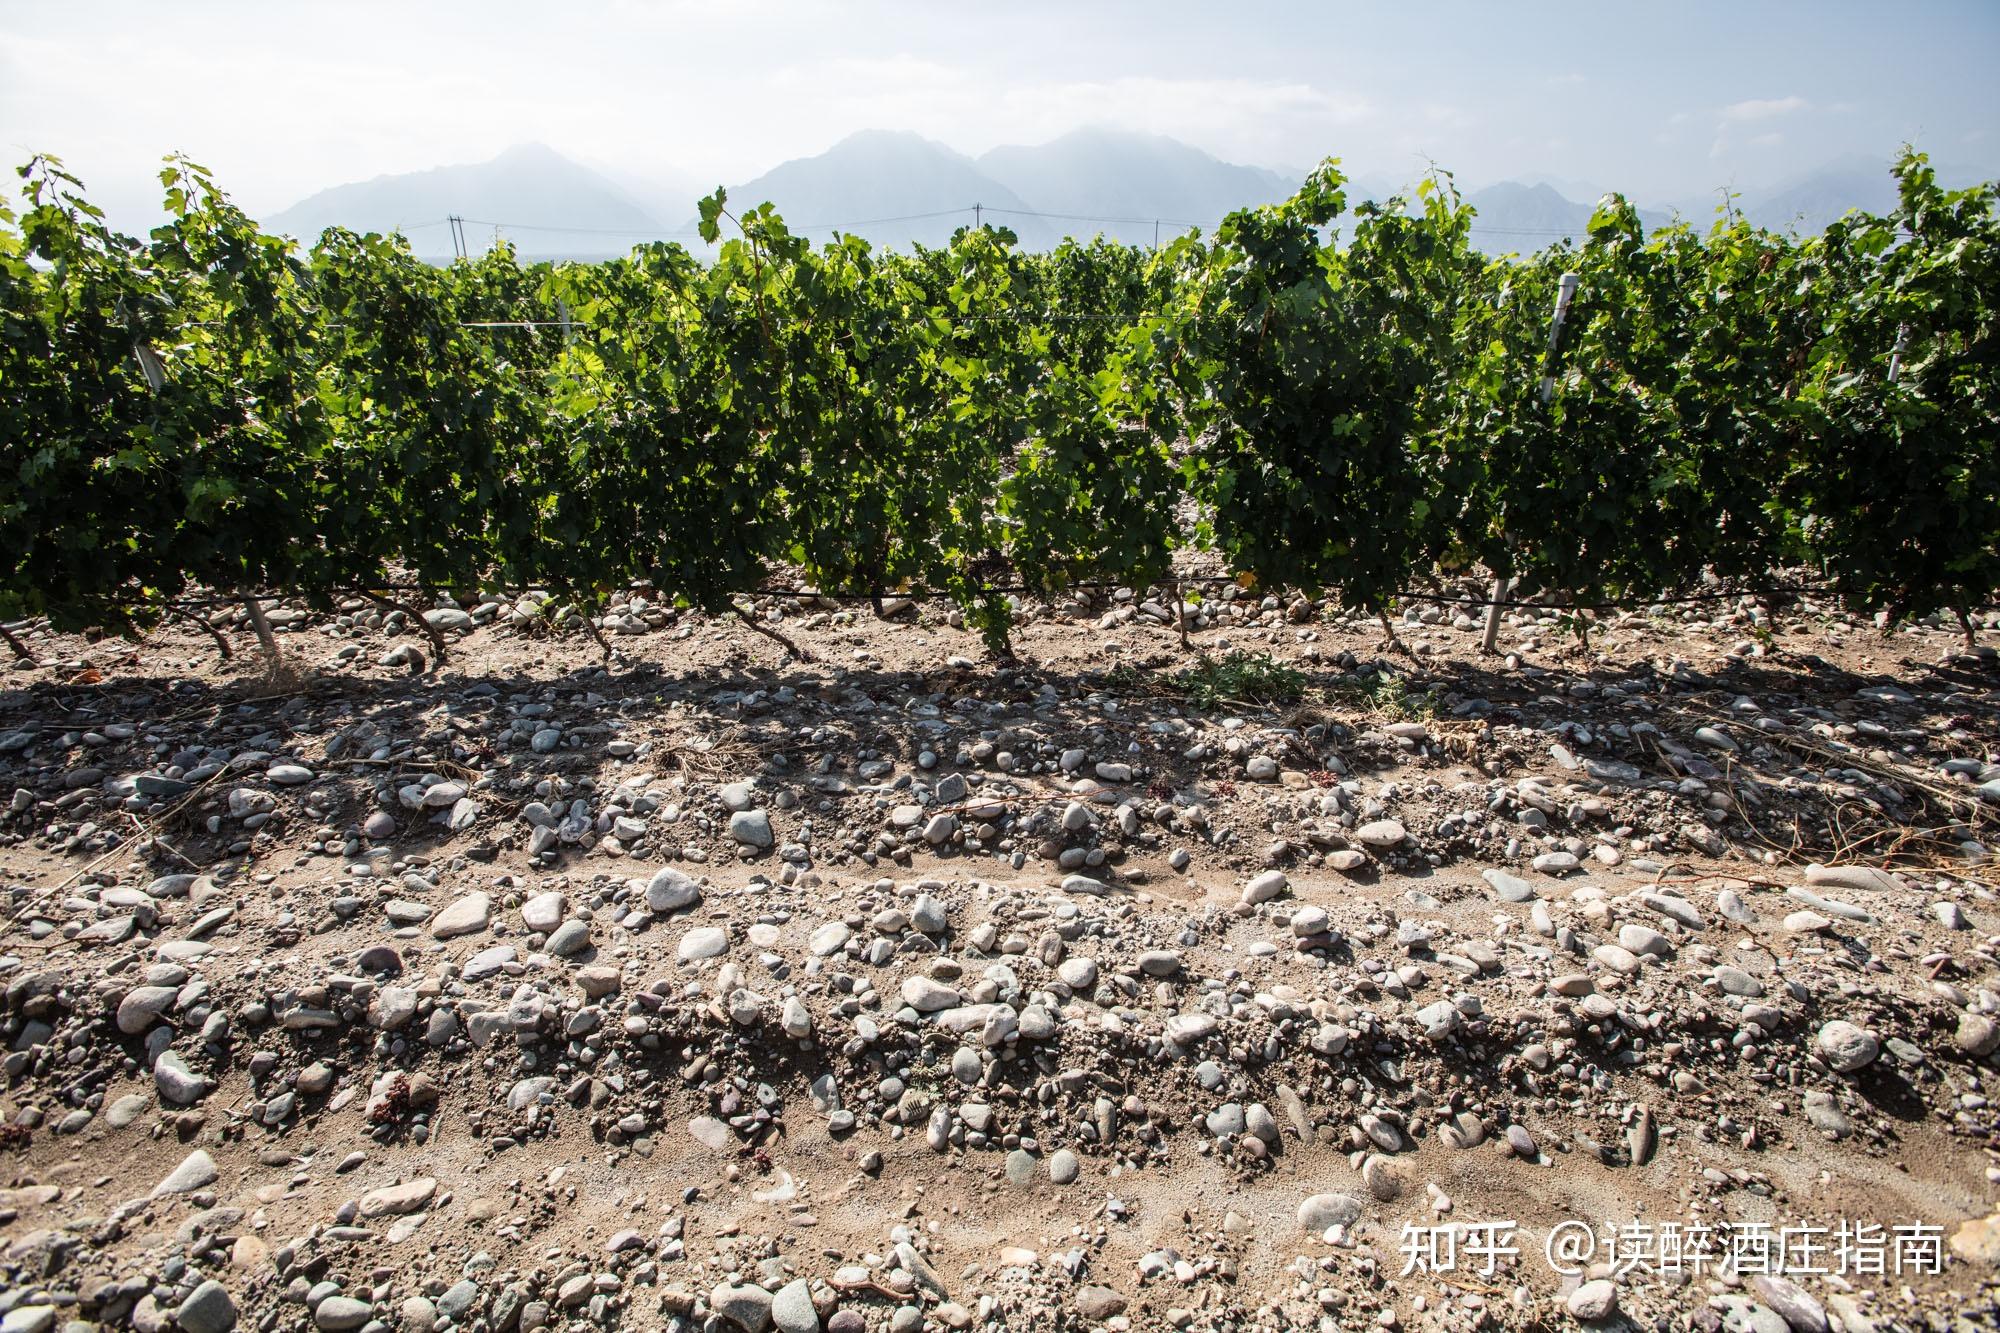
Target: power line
870	222
670	234
580	231
976	210
1528	231
1091	217
666	233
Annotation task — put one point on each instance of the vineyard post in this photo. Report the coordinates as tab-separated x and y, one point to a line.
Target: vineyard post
154	369
265	639
1490	640
150	365
1565	293
1502	586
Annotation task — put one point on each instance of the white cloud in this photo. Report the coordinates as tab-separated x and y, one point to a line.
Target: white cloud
972	109
1241	117
1763	108
1735	122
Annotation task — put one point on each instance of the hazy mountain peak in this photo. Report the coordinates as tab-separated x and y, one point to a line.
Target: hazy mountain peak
1539	191
1120	182
1514	216
888	185
533	153
1098	136
892	140
1808	203
553	201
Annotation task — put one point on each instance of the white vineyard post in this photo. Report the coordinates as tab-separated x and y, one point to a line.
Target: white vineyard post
150	365
1565	293
154	369
1491	638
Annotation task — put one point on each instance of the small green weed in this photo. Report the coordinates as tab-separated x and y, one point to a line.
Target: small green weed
1240	678
1387	695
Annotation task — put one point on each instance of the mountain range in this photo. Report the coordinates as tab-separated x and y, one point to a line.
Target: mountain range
1121	184
1511	216
897	188
893	187
526	189
1809	202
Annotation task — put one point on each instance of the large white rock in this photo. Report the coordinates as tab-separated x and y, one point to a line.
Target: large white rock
1381	833
1846	1046
196	1170
392	1200
670	891
1853	877
703	942
1321	1211
1265	887
752	828
544	912
468	916
927	996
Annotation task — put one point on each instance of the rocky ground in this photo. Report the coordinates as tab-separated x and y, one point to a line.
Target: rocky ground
897	989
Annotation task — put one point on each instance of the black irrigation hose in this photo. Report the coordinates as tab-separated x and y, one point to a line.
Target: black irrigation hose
924	594
1678	599
932	594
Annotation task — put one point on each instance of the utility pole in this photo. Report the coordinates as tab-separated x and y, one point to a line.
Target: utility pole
977	209
457	235
1156	233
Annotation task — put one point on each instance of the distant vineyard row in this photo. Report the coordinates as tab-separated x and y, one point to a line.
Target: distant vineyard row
1344	400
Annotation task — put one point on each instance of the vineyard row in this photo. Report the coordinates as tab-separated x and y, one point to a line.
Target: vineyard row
1333	399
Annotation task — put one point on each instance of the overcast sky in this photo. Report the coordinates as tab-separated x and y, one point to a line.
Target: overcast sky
1665	101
